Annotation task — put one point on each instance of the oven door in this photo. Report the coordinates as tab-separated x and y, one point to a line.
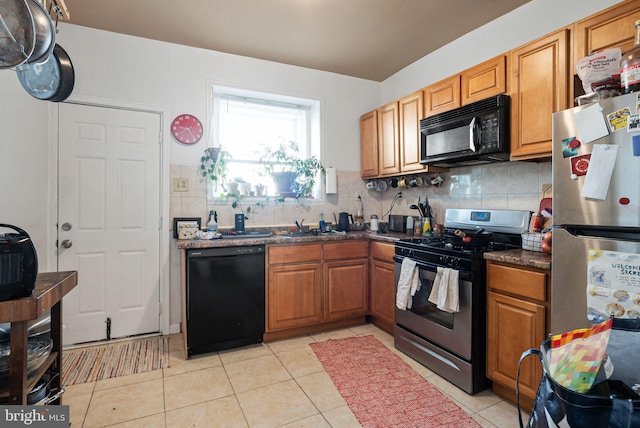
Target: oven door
451	331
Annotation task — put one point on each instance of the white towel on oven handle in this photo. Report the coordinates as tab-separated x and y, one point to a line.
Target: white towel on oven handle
408	284
445	292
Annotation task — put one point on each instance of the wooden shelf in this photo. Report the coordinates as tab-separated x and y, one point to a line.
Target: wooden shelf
48	293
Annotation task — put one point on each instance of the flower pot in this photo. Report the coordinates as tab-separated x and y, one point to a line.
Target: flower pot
260	189
244	188
232	187
285	183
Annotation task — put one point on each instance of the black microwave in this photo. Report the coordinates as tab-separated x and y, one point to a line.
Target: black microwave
470	135
18	264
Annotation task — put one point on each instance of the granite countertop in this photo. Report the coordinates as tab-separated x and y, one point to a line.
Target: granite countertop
390	237
521	257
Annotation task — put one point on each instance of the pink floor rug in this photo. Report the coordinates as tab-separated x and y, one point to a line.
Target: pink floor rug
382	390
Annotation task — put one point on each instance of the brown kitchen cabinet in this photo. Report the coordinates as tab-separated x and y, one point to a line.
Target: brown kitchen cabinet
518	311
442	96
539	82
484	80
382	286
610	28
294	286
369	144
316	287
388	140
409	114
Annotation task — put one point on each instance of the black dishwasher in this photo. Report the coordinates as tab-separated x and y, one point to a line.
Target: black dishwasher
225	298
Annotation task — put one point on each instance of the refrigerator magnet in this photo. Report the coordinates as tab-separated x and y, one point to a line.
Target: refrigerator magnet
618	119
635	145
633	123
570	147
580	165
590	123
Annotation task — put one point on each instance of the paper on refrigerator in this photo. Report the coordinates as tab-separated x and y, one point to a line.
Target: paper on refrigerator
613	285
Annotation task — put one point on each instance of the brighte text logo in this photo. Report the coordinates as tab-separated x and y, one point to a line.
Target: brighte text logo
34	416
26	418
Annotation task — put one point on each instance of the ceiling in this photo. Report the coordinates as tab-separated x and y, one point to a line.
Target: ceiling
370	39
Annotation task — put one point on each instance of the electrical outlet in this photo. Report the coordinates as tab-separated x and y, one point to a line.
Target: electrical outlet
358	194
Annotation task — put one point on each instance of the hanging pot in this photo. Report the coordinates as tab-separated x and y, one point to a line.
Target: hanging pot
17	34
45	33
51	80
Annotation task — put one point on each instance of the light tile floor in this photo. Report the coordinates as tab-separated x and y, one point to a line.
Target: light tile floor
279	384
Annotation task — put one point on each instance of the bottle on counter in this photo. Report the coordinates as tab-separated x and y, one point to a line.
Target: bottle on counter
212	226
426	226
323	225
373	225
536	223
410	225
630	66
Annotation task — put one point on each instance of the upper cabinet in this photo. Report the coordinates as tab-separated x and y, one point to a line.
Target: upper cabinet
442	96
539	82
388	140
369	144
484	80
409	114
613	27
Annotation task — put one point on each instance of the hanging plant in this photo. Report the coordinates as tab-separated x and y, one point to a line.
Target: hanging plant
213	165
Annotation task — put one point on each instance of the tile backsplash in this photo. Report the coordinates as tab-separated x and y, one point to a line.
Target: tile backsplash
507	185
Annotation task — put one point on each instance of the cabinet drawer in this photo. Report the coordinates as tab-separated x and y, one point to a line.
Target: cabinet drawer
346	250
518	281
383	251
294	253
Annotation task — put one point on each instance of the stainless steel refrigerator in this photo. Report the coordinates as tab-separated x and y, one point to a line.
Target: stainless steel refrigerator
596	213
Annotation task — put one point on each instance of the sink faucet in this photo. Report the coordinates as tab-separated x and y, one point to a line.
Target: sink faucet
299	225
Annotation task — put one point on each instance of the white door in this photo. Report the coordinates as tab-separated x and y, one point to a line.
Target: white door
108	221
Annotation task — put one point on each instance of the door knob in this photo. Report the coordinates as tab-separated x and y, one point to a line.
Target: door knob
66	243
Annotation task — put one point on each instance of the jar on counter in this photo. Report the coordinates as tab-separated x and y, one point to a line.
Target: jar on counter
374	223
438	231
417	226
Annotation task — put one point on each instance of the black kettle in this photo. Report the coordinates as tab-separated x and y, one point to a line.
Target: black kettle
18	264
343	222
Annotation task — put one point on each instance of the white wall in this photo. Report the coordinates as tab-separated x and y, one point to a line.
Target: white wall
529	22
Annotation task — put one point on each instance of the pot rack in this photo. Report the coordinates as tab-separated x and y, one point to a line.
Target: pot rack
56	8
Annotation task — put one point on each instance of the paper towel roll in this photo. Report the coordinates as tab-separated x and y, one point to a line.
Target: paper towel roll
331	176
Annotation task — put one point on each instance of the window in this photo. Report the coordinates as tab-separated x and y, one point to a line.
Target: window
245	122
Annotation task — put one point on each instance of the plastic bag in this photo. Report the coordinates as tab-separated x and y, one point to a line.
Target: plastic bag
600	70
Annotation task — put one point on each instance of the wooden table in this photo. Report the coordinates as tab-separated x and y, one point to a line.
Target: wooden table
48	293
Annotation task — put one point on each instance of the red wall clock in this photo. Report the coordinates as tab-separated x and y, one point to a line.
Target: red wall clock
186	129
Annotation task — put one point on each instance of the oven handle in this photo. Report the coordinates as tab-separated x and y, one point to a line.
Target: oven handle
462	274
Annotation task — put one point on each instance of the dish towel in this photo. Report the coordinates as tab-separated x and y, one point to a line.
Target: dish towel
408	284
445	291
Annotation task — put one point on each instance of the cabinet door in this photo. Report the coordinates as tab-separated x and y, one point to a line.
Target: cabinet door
442	96
388	140
294	295
369	144
383	296
539	83
484	80
613	27
410	113
346	291
513	326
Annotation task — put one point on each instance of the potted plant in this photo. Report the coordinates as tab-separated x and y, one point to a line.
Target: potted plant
292	175
213	164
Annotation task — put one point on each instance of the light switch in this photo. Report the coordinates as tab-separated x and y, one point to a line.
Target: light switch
180	184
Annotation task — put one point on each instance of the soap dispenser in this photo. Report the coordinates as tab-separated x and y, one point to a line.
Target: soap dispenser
212	226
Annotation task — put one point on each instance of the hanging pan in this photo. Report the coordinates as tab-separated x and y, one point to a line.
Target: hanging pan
51	80
45	32
17	33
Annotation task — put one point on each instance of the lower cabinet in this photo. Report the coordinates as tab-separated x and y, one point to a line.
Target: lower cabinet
382	286
315	287
518	308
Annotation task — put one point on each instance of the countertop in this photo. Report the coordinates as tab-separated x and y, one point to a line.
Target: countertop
390	237
521	257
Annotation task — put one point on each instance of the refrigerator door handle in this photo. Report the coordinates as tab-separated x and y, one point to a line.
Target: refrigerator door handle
606	232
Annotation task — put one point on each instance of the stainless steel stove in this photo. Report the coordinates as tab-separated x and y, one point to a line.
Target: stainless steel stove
453	344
